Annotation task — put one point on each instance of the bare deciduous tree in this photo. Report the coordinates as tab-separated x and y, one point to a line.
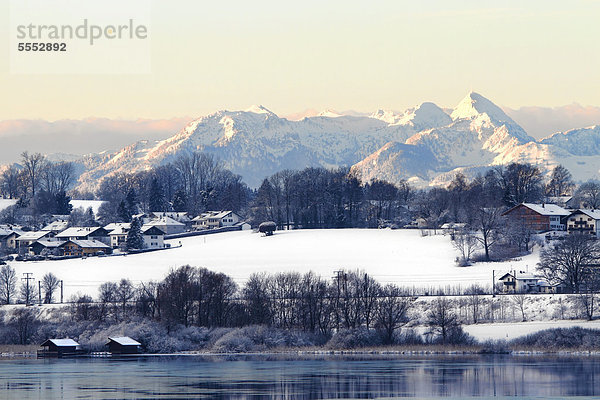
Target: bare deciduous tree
8	284
49	284
571	262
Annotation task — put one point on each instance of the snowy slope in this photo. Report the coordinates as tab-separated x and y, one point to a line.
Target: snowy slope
400	256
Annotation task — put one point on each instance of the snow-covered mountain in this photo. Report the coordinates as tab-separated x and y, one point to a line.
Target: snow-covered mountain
256	142
423	144
482	135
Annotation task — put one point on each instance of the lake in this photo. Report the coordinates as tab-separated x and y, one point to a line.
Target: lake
281	377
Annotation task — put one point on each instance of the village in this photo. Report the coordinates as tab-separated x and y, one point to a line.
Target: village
546	222
58	240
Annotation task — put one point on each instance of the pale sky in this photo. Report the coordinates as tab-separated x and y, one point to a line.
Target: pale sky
290	56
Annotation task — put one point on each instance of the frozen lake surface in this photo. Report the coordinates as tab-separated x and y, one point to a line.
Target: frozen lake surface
278	377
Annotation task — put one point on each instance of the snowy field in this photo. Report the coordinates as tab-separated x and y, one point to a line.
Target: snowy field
403	257
513	330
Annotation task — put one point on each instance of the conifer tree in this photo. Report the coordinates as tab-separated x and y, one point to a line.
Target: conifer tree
135	240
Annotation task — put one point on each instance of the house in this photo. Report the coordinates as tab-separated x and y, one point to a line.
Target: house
153	237
215	219
117	232
524	282
539	217
8	238
84	247
85	233
42	247
27	238
168	225
584	221
59	348
123	345
56	226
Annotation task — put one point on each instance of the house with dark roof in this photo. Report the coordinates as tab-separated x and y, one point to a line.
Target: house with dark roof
539	217
154	238
584	221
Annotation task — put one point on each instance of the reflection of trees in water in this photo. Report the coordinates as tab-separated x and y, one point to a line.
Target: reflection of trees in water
307	378
479	376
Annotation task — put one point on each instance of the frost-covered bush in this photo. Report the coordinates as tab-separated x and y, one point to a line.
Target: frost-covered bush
260	338
561	338
354	338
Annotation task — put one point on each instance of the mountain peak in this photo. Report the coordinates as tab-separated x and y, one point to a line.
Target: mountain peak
330	114
259	109
474	105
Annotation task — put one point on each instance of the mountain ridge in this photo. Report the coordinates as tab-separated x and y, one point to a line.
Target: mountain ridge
423	144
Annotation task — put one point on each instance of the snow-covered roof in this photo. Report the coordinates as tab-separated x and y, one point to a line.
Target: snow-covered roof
62	342
5	232
56	226
547	209
164	221
118	231
48	243
114	225
88	244
34	235
125	341
78	231
595	214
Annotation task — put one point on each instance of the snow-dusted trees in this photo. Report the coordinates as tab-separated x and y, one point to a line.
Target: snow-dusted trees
572	262
561	182
321	198
466	243
588	194
194	182
135	240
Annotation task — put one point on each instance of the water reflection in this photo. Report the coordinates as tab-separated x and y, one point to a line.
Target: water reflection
269	377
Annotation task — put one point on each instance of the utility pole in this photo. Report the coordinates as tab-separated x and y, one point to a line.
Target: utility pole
40	292
61	291
27	278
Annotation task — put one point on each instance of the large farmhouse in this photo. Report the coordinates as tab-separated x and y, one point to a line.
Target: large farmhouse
584	221
539	217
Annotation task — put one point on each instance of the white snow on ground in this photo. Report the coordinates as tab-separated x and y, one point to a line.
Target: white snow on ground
403	257
513	330
85	204
5	203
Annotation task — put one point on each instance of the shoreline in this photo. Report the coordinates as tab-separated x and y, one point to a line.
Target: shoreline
301	354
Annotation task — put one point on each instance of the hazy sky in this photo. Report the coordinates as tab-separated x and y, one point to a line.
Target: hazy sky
364	55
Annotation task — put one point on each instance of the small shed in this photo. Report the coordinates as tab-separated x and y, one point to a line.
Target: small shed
123	345
59	348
